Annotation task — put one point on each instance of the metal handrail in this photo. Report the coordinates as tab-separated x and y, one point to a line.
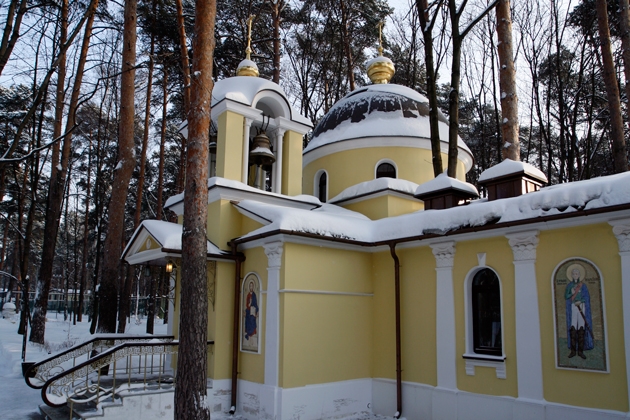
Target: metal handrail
37	375
85	382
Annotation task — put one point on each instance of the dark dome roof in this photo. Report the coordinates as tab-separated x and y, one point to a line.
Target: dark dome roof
379	111
358	105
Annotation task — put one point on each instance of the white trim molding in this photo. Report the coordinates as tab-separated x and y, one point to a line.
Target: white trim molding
273	250
621	230
528	346
496	362
444	253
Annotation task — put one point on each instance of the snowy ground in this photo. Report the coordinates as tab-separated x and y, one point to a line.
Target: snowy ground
20	402
17	400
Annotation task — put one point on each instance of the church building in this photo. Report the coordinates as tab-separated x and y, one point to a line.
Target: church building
344	278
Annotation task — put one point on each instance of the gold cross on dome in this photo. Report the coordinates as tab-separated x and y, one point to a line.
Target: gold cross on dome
380	38
248	51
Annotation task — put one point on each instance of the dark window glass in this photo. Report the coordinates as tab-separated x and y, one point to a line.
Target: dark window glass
486	307
321	188
386	170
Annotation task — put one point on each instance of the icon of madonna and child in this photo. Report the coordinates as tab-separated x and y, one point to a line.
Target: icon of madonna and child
250	327
579	322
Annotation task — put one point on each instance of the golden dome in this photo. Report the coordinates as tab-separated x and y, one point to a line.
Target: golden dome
380	70
247	68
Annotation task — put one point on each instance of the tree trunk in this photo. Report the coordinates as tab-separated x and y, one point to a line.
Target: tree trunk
191	390
624	24
56	192
160	189
427	29
453	96
620	160
276	8
181	175
108	292
345	30
507	83
11	30
457	37
123	312
151	304
183	45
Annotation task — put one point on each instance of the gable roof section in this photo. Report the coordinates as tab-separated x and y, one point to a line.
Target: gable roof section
156	240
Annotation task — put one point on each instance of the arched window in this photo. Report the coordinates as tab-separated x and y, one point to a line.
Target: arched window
321	186
385	170
486	313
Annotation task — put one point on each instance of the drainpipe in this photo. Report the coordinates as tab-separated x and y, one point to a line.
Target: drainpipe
392	249
238	261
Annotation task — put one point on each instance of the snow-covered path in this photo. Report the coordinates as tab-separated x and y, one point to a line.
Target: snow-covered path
17	400
20	402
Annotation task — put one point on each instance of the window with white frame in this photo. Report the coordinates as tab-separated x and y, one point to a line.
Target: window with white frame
321	186
486	313
385	170
484	322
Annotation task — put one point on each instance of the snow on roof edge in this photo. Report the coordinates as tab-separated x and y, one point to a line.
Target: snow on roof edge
509	167
609	191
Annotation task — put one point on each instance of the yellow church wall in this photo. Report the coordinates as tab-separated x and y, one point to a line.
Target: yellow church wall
153	244
252	366
351	167
384	335
385	206
500	258
589	389
292	164
230	145
417	314
229	227
219	321
326	337
221	330
248	225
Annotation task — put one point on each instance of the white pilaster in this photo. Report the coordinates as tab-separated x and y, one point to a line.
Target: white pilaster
528	350
272	321
621	229
444	253
246	130
277	165
271	403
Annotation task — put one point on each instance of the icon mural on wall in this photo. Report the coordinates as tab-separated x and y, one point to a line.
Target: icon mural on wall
250	314
579	316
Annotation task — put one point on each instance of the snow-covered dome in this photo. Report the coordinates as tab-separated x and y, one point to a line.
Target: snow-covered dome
380	110
258	93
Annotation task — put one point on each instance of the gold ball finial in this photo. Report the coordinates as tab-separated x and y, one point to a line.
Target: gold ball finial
247	67
381	69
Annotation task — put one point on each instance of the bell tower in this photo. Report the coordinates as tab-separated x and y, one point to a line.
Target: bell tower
258	133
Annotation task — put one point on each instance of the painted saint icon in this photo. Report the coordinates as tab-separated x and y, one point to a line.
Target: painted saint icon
579	310
250	325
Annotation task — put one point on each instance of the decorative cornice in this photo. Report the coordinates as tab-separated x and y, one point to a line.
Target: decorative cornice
273	251
524	245
621	230
444	253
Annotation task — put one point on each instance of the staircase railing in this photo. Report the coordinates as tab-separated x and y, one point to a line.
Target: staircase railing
37	375
127	367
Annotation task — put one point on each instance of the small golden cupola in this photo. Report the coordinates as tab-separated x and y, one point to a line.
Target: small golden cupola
247	67
381	69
